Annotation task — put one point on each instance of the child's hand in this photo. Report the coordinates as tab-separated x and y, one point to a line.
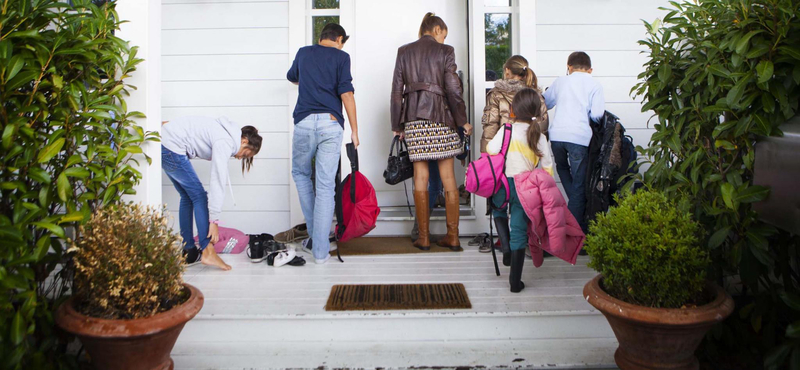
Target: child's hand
399	133
213	233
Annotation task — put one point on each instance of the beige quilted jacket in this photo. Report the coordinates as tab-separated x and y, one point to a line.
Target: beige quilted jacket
498	109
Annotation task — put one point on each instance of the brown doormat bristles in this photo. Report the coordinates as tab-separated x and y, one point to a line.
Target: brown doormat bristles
398	297
386	245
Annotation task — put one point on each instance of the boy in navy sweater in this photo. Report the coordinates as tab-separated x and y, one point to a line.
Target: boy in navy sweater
323	73
579	98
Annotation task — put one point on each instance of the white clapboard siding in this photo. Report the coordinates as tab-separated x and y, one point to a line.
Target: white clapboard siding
225	67
589	37
263	172
226	15
248	198
219	1
223	93
609	31
275	119
604	63
229	58
225	41
597	11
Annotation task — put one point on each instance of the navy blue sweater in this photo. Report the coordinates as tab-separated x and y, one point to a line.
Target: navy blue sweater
323	74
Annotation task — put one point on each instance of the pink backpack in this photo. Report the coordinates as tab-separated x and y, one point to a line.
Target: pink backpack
486	175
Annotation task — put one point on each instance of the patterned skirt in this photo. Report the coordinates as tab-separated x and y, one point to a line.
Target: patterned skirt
431	141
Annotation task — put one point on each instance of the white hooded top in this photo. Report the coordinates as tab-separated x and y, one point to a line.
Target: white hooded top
212	139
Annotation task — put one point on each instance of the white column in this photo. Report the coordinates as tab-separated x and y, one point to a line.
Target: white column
297	39
143	29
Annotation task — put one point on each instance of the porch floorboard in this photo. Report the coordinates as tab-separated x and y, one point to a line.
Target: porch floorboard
257	316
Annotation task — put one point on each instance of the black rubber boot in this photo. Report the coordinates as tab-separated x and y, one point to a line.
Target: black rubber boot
504	234
515	277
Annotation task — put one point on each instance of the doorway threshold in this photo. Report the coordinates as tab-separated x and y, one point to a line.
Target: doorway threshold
400	213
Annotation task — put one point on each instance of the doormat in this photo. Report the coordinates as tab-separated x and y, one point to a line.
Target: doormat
398	297
394	245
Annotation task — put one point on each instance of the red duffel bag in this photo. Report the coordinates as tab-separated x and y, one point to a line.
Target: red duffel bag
356	204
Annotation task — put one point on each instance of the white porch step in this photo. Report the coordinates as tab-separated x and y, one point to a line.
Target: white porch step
257	316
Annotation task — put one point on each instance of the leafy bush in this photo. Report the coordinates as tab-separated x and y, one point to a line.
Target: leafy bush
720	74
67	148
648	251
128	263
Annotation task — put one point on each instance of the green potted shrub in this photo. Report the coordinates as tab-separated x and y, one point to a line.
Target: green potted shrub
130	302
652	286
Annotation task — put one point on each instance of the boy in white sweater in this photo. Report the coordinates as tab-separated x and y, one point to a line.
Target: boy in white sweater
579	98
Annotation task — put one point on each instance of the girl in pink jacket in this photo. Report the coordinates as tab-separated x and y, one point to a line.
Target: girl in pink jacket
528	149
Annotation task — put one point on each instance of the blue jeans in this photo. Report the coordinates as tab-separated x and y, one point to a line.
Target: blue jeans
571	167
194	198
519	219
434	183
317	136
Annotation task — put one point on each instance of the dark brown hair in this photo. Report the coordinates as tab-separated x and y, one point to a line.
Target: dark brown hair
579	60
332	31
526	106
429	22
253	143
518	65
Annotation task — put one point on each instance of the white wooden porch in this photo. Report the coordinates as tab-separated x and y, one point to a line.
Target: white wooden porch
258	317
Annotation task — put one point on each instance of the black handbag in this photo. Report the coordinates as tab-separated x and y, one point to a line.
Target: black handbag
399	168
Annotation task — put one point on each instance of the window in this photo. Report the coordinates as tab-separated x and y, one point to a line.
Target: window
319	24
498	43
325	4
322	12
497	2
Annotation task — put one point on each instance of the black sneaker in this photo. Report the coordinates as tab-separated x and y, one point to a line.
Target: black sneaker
192	256
271	246
256	250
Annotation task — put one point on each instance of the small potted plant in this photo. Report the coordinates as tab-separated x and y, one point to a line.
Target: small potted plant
652	286
130	302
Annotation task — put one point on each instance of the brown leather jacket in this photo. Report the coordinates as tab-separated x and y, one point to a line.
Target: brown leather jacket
498	109
425	85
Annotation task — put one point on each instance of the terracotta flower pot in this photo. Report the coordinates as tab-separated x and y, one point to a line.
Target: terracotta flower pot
138	344
658	338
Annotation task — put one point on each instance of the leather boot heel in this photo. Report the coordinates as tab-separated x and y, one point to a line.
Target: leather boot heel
452	210
515	277
423	220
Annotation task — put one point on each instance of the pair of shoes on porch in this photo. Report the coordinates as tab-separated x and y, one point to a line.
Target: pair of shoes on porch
285	257
261	246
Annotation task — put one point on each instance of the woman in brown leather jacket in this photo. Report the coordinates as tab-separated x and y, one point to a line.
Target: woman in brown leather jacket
427	107
517	75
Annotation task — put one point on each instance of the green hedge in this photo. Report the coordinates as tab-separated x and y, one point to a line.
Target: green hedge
720	74
68	147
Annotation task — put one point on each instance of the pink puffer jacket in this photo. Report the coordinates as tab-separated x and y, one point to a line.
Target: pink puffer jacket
552	227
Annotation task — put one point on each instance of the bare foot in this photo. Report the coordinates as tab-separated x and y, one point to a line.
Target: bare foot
210	258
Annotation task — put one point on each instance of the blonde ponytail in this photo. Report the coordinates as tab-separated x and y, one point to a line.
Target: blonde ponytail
518	66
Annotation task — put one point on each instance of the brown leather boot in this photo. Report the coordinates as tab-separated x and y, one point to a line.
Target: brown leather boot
423	242
451	209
